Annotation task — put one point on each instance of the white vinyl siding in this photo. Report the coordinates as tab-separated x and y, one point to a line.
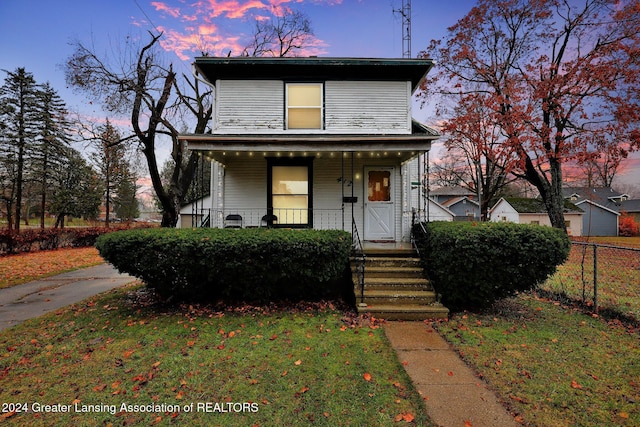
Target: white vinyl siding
350	107
249	106
368	107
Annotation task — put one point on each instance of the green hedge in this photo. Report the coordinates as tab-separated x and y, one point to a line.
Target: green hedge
249	264
474	264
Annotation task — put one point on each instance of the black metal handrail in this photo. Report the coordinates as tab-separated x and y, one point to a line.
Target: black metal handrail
359	257
412	232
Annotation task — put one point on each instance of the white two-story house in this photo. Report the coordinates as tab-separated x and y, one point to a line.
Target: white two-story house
313	142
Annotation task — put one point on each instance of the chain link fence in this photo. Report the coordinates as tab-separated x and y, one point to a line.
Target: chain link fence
603	277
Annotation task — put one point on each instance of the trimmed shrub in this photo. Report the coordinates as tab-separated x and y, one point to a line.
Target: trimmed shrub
248	264
474	264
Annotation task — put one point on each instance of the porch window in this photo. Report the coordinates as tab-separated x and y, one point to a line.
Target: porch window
304	106
290	188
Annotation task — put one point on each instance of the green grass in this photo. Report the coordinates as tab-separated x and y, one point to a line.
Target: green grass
296	366
555	366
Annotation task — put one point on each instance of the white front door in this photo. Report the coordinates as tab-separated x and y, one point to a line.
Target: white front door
379	209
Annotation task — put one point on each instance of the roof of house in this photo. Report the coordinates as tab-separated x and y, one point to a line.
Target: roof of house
455	200
604	196
247	67
451	191
631	205
526	205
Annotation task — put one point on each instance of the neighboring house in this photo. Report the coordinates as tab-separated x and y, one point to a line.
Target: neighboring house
602	207
632	208
458	200
437	212
532	211
312	142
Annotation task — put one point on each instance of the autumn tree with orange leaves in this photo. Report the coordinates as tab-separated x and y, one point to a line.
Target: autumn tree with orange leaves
554	76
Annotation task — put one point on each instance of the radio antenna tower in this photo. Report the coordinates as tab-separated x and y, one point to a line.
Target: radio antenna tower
405	12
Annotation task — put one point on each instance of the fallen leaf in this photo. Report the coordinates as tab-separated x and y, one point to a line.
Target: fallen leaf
408	417
367	377
575	385
467	423
297	362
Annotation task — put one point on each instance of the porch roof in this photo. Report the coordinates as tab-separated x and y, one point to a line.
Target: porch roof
401	147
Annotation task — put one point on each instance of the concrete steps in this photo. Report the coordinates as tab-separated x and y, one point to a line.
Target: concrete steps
395	287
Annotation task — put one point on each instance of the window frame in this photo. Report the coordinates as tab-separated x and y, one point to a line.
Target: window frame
321	107
292	162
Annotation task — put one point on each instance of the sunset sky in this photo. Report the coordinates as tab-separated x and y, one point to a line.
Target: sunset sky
35	34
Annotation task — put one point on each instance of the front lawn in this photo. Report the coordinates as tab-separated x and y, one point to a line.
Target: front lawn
266	366
555	365
21	268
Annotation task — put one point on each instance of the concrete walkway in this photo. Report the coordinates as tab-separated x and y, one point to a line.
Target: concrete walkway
36	298
454	396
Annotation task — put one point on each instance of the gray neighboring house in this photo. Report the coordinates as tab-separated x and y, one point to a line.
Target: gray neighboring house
602	207
460	201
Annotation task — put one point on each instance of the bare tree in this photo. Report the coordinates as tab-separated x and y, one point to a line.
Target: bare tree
283	35
138	84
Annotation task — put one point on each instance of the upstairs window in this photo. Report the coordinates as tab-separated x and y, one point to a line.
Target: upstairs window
304	106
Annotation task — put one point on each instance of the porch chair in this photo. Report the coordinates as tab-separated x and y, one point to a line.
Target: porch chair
233	221
268	220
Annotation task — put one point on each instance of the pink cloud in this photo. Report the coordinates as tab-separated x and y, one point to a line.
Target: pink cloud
206	40
162	7
205	25
232	9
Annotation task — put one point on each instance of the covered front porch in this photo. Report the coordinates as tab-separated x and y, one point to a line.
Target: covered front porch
372	184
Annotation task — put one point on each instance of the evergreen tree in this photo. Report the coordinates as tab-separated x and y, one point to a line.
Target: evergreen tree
52	139
19	118
126	204
77	189
110	160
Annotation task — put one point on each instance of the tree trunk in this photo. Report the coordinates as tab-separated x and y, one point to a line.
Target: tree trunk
59	221
19	186
551	192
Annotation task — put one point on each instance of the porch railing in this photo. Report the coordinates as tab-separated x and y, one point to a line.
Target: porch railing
359	257
323	219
